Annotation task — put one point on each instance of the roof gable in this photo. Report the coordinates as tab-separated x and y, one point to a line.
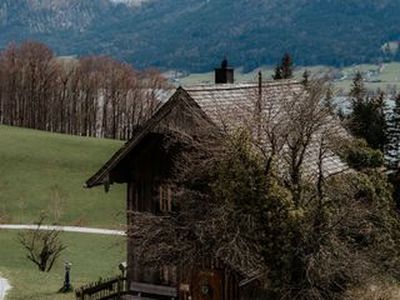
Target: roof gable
180	97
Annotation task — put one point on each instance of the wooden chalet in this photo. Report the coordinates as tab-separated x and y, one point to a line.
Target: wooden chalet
144	166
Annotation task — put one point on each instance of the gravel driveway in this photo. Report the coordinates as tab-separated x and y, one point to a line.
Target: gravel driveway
4	287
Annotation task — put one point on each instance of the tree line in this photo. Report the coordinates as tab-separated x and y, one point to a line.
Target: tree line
90	96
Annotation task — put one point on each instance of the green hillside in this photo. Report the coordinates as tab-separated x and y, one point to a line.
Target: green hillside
44	172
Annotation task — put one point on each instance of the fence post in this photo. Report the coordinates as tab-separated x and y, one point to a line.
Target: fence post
119	288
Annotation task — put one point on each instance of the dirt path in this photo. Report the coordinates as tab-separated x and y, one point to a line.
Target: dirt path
65	229
4	287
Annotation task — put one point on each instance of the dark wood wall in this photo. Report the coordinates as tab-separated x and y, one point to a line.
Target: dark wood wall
147	171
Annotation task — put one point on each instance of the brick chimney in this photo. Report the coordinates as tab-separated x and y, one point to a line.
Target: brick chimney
224	74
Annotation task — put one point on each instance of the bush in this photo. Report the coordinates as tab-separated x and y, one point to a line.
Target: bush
359	156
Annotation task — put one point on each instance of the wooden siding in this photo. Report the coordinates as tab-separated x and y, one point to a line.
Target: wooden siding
147	170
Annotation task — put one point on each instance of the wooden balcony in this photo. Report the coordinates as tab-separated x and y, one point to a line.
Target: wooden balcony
117	289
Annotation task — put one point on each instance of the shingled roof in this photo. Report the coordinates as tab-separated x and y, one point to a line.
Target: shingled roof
220	104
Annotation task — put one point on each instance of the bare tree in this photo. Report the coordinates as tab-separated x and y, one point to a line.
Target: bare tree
43	247
284	134
92	96
260	194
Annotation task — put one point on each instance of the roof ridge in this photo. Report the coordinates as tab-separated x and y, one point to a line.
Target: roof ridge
239	86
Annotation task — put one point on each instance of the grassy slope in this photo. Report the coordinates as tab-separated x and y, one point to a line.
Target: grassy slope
40	171
91	256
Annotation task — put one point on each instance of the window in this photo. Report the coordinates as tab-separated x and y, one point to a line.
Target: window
165	197
168	275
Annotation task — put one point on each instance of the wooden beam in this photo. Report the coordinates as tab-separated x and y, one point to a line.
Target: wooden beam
153	289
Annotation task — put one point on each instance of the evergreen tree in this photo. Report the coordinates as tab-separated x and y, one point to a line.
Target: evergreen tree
392	149
287	66
278	73
358	90
285	69
306	78
368	119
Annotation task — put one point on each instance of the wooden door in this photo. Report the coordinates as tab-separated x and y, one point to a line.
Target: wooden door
208	285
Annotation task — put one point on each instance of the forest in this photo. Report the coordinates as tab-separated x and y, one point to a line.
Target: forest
92	96
192	35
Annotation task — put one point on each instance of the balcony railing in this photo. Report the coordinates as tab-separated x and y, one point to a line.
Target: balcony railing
116	288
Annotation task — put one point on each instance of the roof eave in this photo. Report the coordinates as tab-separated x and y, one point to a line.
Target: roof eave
99	178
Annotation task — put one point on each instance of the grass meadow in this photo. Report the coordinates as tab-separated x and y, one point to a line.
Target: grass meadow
42	172
92	256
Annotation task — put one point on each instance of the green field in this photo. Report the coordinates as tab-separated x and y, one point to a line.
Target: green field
92	256
42	172
376	76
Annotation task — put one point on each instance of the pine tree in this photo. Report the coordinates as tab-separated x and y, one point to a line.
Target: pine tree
306	78
287	66
392	149
358	90
278	73
368	119
379	126
285	69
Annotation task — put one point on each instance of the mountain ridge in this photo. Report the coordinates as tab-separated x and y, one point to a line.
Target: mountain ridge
193	35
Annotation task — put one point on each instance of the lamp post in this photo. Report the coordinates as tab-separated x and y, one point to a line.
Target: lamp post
67	279
122	267
122	285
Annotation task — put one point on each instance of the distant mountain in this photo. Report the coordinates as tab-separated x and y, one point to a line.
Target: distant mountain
193	35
